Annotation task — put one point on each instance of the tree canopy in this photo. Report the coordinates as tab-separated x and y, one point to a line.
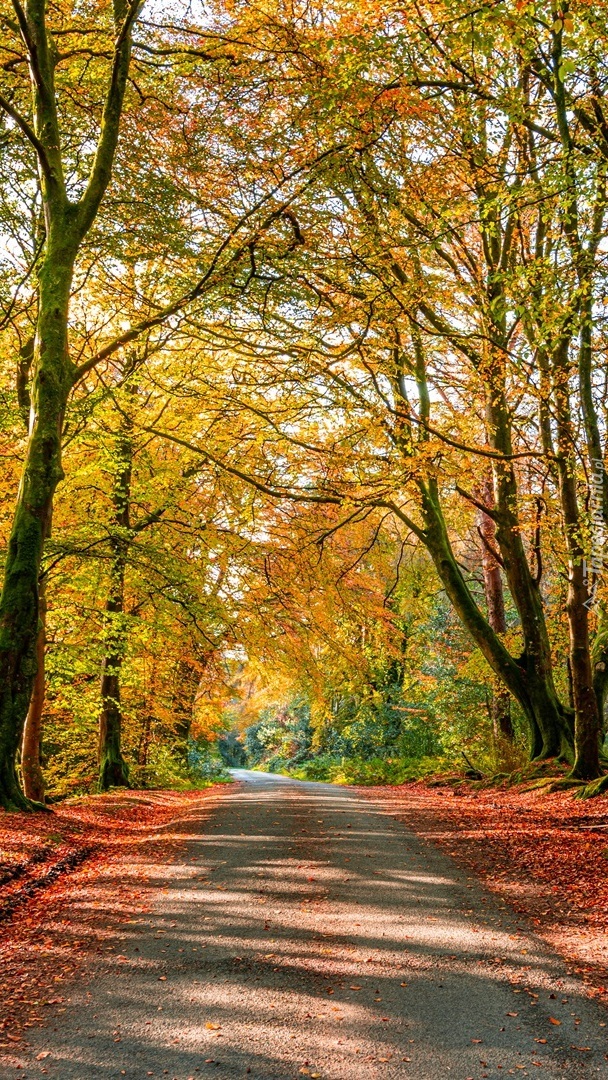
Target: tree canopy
303	389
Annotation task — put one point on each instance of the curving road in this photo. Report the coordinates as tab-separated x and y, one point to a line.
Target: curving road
306	932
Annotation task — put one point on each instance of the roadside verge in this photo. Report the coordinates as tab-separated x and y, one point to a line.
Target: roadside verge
53	912
547	855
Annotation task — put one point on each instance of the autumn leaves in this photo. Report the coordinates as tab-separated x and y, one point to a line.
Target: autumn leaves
298	292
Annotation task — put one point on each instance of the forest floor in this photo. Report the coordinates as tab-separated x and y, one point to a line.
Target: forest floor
547	855
48	862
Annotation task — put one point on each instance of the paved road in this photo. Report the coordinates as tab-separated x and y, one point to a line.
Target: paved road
307	932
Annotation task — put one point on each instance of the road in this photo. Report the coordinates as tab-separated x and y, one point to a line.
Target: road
303	931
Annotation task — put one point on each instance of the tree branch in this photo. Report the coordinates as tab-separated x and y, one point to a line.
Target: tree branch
29	133
101	170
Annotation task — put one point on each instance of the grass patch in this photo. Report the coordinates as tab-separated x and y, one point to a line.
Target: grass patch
367	772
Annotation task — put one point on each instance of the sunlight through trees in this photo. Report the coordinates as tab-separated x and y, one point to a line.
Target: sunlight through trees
303	366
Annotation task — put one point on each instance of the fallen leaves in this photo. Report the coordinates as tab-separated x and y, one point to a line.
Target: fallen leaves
544	858
52	937
553	1020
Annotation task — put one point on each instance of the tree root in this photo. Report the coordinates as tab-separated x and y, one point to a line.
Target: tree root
22	805
593	789
557	783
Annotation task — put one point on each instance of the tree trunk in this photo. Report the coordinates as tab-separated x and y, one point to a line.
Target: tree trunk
587	719
550	734
41	474
554	721
528	678
586	712
66	224
113	771
187	679
500	704
144	740
31	769
595	454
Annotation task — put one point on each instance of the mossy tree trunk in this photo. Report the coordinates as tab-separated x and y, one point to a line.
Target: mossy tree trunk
529	677
547	722
31	767
585	244
66	224
553	733
41	473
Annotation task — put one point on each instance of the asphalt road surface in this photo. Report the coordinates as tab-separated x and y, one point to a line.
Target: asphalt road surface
306	932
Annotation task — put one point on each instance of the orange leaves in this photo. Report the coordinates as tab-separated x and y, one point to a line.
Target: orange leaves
116	825
543	858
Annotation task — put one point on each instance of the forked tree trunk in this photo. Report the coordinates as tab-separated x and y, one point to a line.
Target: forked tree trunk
66	224
554	734
530	685
529	677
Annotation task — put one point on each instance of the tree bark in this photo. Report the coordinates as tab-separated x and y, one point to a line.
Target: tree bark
113	771
66	224
500	704
550	733
555	725
41	474
587	718
31	768
187	678
144	740
529	678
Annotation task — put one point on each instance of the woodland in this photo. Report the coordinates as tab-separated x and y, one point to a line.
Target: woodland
303	392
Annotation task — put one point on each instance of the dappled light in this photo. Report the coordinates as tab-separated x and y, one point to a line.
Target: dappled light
303	519
303	930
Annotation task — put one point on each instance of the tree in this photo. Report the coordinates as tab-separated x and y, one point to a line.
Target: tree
66	224
81	201
417	303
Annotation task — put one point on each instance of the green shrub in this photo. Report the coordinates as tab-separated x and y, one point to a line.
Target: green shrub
378	770
167	769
